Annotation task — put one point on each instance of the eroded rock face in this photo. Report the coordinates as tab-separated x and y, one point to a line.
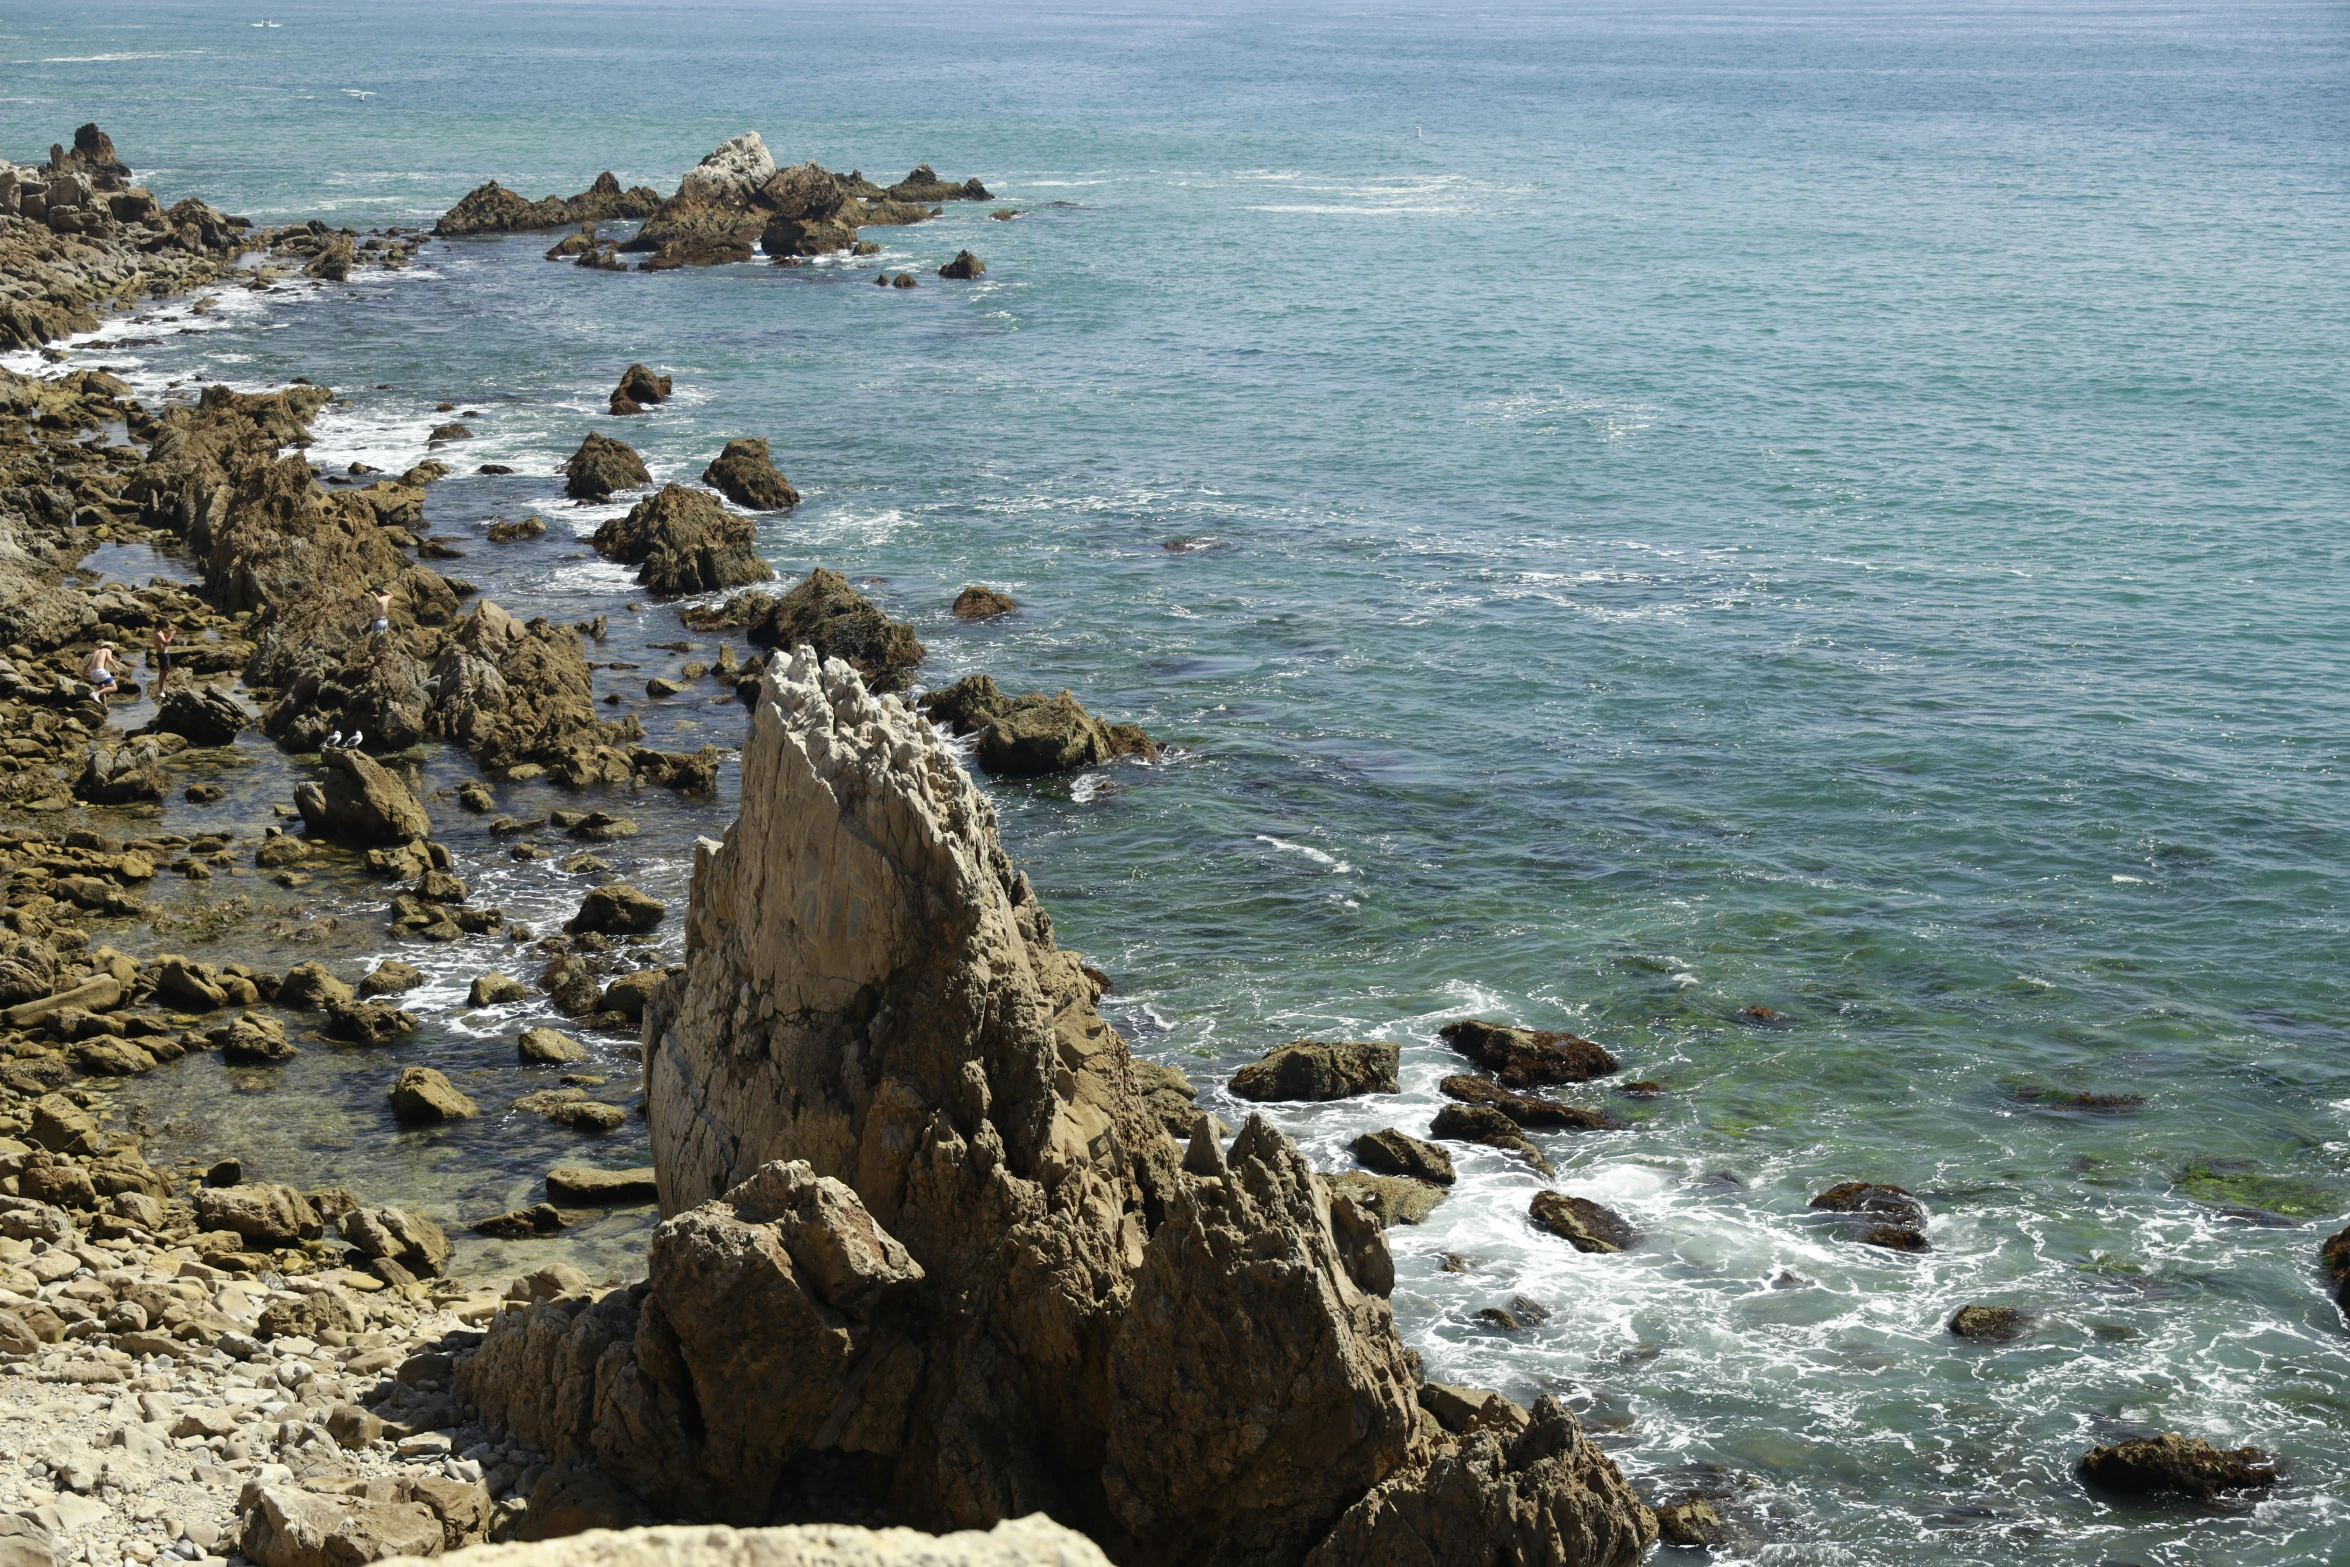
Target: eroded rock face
745	474
360	802
602	465
825	613
932	1253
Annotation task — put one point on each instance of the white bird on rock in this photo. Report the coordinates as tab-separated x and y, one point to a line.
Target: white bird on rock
356	737
333	741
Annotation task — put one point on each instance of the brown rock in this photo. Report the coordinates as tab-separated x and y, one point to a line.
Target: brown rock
601	466
493	209
423	1096
978	603
1990	1324
310	986
2186	1466
1486	1125
1584	1224
286	1527
411	1240
359	802
617	909
745	474
1526	1057
546	1047
389	978
1390	1152
1311	1069
963	268
640	389
260	1211
1526	1109
682	541
1391	1199
1033	735
588	1188
825	613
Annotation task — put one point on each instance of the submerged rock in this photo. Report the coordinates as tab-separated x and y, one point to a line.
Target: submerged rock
1312	1069
1486	1125
1886	1216
745	474
2180	1465
1527	1057
682	541
1990	1324
601	466
964	1267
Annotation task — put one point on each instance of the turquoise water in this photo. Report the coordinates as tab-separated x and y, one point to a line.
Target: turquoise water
1834	508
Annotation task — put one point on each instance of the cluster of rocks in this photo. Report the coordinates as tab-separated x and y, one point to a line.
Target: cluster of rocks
734	201
934	1256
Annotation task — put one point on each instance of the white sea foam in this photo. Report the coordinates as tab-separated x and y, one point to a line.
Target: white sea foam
1337	866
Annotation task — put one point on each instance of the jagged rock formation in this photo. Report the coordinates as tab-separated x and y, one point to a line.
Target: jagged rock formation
923	185
932	1256
493	209
682	541
602	465
745	474
737	198
825	613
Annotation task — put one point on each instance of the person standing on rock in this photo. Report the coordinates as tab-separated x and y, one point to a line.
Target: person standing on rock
382	599
98	672
161	657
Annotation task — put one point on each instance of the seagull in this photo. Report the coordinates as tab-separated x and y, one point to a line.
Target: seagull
333	741
356	737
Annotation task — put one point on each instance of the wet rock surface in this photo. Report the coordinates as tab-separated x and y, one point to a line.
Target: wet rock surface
1526	1057
823	612
1582	1223
681	540
1032	736
745	474
2170	1464
492	209
1313	1069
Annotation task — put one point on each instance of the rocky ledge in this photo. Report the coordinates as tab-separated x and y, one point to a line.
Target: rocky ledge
933	1258
493	209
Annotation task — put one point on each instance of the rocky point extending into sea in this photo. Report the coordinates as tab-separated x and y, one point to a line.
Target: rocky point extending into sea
937	1249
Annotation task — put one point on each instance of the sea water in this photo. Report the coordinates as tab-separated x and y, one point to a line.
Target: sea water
1622	515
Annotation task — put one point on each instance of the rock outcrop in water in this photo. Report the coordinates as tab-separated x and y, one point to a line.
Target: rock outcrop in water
737	198
1033	735
823	612
682	541
745	474
932	1257
493	209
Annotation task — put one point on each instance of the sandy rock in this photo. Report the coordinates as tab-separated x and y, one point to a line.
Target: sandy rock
682	541
255	1039
260	1211
1526	1057
601	466
359	802
423	1096
546	1047
1313	1069
745	474
1391	1199
389	978
825	613
496	990
617	909
1583	1224
414	1242
286	1527
310	987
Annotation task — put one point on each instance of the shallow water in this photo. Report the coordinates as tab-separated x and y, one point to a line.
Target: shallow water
1832	508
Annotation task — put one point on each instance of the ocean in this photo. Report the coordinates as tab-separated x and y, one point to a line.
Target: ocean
1623	515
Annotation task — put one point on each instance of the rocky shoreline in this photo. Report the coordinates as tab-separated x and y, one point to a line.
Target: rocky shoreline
1023	1272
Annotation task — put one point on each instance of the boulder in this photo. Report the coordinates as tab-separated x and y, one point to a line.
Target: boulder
1390	1152
1883	1216
1034	1541
309	987
286	1527
571	1107
745	474
255	1039
1391	1199
924	186
530	527
546	1047
1690	1521
1527	1057
493	209
1990	1324
978	603
682	541
389	978
523	1224
963	268
587	1188
369	1022
412	1241
601	466
1582	1223
2175	1464
823	612
423	1096
126	775
638	390
496	990
1526	1109
360	803
629	994
204	715
264	1213
1311	1069
1033	735
1486	1125
617	909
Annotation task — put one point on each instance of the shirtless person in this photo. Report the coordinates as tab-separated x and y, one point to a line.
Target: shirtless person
98	672
382	599
161	657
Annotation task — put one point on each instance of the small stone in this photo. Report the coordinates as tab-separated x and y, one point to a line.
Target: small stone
547	1047
496	990
423	1096
1990	1324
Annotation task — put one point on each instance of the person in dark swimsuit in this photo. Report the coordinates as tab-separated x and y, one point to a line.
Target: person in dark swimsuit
161	657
